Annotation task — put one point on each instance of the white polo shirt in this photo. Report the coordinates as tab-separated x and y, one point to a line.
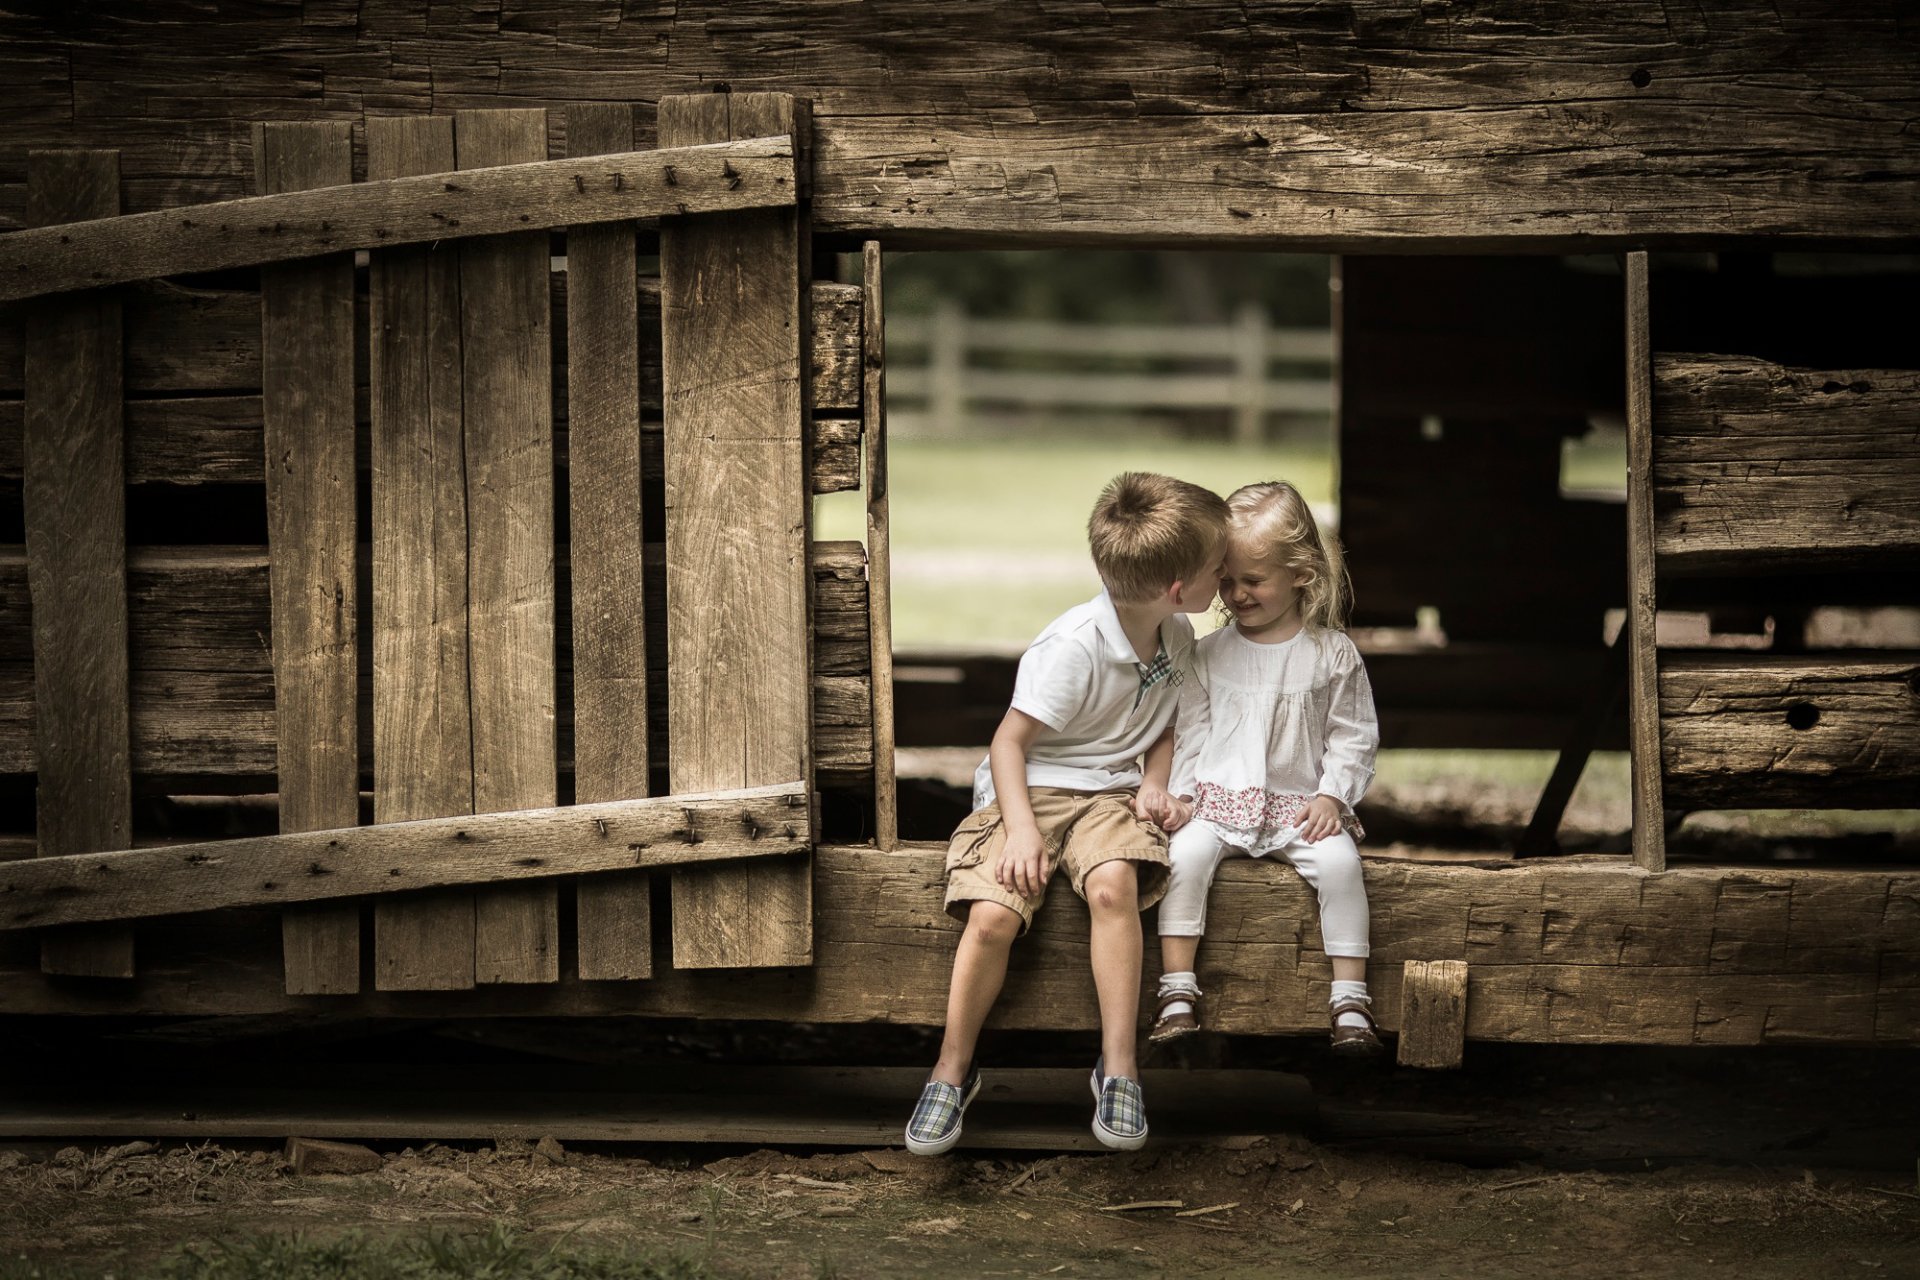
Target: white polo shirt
1081	679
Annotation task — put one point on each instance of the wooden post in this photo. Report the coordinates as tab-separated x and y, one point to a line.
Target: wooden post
422	731
1433	1013
947	368
734	319
873	411
74	493
1643	676
306	370
507	377
604	496
1250	373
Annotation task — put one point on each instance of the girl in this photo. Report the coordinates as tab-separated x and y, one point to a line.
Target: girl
1275	743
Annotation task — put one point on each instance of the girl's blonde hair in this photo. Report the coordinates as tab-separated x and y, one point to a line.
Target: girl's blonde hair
1273	522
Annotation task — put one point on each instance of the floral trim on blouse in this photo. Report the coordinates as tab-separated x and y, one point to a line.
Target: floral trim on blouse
1257	810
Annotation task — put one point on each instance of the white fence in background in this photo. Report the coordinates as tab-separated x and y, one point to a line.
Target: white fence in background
932	384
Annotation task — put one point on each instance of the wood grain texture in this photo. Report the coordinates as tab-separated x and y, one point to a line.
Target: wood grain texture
307	412
1758	467
511	196
202	672
734	392
400	857
1433	1014
74	500
422	715
506	379
1643	658
614	913
873	415
1633	125
1568	951
1828	730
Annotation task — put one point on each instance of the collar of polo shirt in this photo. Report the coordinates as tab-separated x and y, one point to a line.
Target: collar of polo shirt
1119	648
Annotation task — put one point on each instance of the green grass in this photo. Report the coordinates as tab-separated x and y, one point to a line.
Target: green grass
500	1253
990	535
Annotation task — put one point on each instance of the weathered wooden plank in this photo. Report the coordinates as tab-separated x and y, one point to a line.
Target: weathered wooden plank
422	714
1576	951
505	326
399	857
198	630
1643	657
614	913
1758	467
306	344
75	514
1630	125
1433	1013
873	414
734	391
511	196
203	340
1828	730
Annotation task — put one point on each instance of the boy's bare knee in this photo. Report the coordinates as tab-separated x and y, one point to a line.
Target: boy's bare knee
992	924
1113	886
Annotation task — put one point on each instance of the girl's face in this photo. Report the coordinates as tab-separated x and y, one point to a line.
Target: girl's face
1263	597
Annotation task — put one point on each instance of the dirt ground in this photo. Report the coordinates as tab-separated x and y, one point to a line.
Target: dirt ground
1277	1207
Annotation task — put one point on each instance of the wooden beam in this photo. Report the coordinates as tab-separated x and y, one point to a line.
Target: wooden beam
506	380
422	710
74	501
306	345
738	526
396	857
1643	659
1564	950
1760	468
873	403
1433	1014
202	685
614	913
383	212
197	341
1542	836
1825	731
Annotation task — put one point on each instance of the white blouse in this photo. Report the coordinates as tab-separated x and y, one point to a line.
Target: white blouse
1263	728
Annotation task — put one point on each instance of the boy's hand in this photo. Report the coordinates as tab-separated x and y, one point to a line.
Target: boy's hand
1022	867
1179	814
1152	803
1322	819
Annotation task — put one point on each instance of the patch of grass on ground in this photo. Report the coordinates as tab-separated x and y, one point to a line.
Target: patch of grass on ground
990	534
499	1253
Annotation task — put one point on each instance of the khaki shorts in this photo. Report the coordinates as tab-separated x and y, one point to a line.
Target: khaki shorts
1080	829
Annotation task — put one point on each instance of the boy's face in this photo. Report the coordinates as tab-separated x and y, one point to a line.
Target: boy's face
1196	595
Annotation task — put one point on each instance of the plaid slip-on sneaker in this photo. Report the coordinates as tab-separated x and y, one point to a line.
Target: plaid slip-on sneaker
935	1126
1119	1111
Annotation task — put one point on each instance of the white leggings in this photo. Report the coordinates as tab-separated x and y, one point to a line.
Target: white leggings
1331	866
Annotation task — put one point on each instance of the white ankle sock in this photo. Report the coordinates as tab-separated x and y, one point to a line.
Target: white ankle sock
1350	991
1185	984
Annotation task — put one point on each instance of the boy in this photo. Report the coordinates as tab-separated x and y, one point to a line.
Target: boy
1094	696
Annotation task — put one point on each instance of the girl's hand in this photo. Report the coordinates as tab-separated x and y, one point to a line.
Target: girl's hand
1179	813
1151	803
1322	819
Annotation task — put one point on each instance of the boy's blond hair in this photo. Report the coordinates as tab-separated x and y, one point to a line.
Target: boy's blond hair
1150	531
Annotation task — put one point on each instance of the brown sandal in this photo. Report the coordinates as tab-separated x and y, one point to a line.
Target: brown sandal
1172	1026
1357	1042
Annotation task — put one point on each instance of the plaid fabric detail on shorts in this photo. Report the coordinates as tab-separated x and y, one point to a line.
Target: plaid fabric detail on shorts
938	1112
1122	1110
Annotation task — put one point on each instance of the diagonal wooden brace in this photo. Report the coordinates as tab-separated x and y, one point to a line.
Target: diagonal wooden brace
752	173
667	831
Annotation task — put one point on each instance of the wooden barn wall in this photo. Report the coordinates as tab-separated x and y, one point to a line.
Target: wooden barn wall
1347	125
